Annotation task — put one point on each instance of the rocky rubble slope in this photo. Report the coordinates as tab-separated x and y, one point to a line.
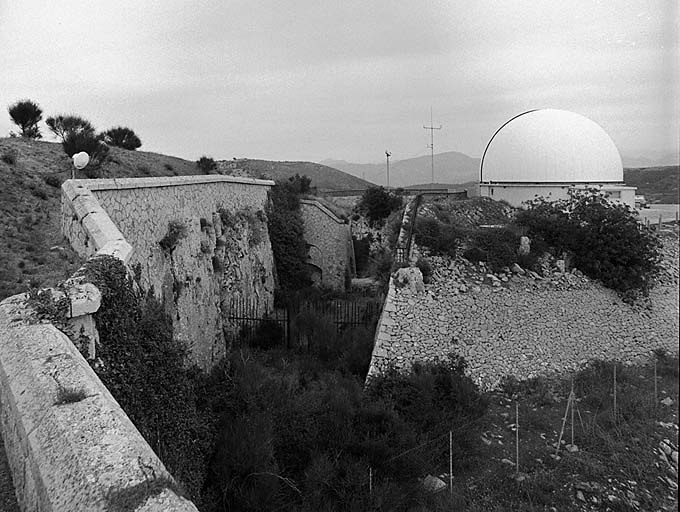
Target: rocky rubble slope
522	324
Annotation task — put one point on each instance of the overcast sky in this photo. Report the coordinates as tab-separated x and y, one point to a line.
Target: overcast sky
343	79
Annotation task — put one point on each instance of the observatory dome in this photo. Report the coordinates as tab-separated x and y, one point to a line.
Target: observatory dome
551	146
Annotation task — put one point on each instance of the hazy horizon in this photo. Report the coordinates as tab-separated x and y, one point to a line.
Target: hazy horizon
345	81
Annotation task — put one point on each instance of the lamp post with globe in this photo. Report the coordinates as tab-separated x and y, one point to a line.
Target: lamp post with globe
80	160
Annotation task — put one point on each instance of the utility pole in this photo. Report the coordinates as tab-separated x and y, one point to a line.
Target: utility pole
432	128
388	155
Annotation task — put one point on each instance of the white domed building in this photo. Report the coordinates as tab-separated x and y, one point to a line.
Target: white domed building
544	153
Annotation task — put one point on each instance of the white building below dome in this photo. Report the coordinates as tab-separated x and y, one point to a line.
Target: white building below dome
545	153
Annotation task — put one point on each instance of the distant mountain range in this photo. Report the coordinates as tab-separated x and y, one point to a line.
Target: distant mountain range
655	160
449	167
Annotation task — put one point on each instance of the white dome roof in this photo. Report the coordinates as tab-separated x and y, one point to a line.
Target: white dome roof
548	146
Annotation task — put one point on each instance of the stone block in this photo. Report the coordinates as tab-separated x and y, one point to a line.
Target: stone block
101	229
118	248
85	204
85	299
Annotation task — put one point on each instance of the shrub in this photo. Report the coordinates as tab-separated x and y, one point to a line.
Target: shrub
53	180
206	164
605	238
176	231
498	245
39	193
10	156
26	114
122	137
440	238
376	204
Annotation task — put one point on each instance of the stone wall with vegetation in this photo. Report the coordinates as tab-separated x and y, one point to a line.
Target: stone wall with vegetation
197	241
331	242
522	325
69	444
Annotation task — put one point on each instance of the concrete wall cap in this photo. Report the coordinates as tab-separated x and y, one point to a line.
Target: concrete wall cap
118	249
168	181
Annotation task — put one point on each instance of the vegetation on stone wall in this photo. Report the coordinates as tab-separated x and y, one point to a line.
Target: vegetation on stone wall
146	371
286	232
177	230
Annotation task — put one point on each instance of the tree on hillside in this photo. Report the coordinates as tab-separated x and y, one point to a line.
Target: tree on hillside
62	125
206	164
122	137
377	204
78	134
26	115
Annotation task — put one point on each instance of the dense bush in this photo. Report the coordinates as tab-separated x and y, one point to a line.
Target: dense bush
26	114
286	232
206	164
497	245
10	156
437	236
297	437
605	238
377	203
122	137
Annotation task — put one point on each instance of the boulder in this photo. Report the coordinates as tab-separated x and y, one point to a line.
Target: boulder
524	246
516	269
409	278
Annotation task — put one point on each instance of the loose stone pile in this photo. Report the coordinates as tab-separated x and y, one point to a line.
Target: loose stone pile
521	324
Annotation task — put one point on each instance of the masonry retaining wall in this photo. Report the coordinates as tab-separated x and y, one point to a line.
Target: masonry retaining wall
224	253
524	328
331	241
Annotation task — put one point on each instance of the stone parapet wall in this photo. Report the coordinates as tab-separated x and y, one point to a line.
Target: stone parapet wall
331	243
523	328
69	444
224	252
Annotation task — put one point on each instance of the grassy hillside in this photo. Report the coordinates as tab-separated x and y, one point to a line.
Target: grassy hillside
657	184
323	177
32	249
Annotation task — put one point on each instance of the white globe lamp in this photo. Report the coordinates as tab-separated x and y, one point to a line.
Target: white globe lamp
80	160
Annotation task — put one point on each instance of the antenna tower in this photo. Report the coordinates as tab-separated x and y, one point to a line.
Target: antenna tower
432	128
388	155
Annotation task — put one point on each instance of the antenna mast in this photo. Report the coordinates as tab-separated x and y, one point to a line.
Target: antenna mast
432	128
388	155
